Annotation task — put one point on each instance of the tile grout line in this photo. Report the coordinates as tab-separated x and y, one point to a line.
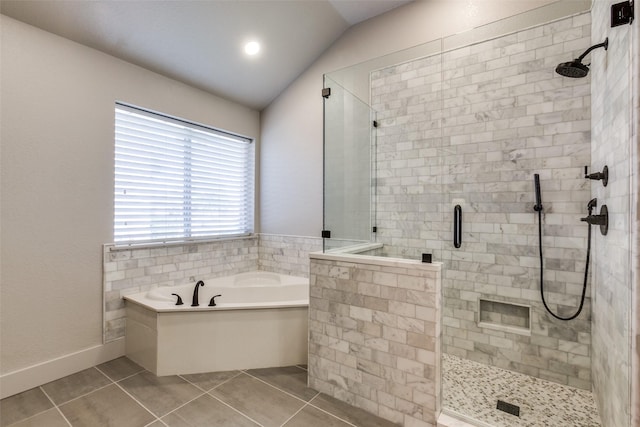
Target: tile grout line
81	396
327	412
55	406
237	410
157	418
278	388
212	388
306	403
185	403
116	382
210	395
294	414
121	379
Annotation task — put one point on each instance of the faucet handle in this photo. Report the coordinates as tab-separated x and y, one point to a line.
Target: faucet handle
212	302
598	176
179	302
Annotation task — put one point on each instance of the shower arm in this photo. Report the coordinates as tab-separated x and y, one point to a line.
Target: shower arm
604	44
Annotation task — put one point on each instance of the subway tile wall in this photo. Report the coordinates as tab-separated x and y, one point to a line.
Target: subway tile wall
471	127
613	146
286	254
374	339
136	270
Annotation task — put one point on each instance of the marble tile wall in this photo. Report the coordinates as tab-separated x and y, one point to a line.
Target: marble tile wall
471	127
374	336
613	144
286	254
128	271
635	231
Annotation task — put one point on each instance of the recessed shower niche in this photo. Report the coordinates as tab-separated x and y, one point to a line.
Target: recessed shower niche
515	318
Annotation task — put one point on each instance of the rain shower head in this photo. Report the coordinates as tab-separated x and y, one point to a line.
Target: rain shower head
576	69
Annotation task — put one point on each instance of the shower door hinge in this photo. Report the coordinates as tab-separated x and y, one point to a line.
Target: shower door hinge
375	123
622	13
326	92
326	234
374	229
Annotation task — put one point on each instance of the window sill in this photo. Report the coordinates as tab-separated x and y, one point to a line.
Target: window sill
115	247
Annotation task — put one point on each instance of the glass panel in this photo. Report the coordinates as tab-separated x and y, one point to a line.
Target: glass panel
406	160
508	117
348	158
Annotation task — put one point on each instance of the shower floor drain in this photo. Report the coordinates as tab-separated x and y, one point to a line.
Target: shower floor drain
508	408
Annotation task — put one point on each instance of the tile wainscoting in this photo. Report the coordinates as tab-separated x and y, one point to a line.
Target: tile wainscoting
132	270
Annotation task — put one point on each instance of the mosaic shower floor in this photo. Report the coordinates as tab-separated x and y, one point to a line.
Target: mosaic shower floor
472	390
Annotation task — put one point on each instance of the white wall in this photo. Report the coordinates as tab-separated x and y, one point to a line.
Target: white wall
57	131
291	162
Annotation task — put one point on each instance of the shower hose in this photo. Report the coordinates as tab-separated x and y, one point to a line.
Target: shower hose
586	273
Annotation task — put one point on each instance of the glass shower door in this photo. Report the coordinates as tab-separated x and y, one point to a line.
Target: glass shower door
349	141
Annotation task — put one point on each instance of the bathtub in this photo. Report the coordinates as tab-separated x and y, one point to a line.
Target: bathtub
259	321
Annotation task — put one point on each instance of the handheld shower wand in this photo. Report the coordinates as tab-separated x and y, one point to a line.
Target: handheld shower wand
536	183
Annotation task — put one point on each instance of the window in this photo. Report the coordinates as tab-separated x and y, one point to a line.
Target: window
176	180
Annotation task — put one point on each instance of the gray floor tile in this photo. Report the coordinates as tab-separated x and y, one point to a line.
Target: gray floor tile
173	420
290	379
207	411
76	385
261	402
356	416
48	418
209	380
160	395
109	406
157	424
313	417
23	405
120	368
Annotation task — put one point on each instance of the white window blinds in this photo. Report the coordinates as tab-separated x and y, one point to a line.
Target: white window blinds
176	180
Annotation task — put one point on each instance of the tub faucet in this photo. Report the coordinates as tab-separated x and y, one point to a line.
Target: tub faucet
194	302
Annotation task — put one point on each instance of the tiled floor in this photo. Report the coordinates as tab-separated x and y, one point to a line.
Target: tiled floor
121	394
472	390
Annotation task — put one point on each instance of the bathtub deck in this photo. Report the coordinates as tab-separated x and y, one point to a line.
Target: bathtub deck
472	390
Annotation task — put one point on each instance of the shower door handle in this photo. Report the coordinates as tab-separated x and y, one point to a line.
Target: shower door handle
457	226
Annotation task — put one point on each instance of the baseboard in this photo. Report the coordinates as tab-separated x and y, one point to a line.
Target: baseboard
24	379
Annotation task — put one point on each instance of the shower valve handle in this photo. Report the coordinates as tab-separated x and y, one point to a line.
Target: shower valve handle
598	176
602	219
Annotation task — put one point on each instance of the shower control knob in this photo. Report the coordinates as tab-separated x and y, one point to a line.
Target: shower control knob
602	220
598	176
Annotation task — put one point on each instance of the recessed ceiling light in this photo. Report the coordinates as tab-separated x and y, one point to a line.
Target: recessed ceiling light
252	48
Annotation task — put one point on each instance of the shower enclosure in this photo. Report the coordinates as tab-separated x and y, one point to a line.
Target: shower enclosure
349	152
441	159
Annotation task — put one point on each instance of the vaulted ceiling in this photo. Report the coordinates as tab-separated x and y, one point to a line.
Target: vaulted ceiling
201	42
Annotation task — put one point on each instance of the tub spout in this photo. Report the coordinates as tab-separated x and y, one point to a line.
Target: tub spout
194	302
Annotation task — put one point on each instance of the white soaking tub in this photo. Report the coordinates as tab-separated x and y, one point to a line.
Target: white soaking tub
259	321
